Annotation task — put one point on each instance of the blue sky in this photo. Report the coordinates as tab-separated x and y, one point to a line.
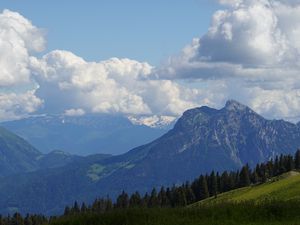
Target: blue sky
97	30
169	56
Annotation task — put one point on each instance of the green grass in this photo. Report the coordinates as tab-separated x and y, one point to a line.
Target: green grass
276	202
246	213
283	188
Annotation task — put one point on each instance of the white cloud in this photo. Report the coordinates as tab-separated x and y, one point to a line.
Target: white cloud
14	106
250	53
110	86
18	40
252	48
74	112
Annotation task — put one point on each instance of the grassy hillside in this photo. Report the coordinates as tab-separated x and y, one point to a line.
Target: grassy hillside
278	203
283	188
247	213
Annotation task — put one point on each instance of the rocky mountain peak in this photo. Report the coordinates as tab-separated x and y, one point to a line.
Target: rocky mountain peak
233	105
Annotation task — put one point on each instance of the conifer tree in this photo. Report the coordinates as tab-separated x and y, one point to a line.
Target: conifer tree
297	159
179	197
290	163
204	193
67	211
83	208
122	201
244	176
190	196
162	197
75	209
145	200
196	188
153	201
213	184
135	200
109	204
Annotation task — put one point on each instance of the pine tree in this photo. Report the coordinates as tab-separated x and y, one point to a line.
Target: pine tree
179	197
290	163
145	200
162	197
244	176
75	208
135	200
122	201
67	211
196	188
108	204
190	197
276	167
297	159
28	220
83	208
204	193
254	177
213	184
169	195
153	201
17	219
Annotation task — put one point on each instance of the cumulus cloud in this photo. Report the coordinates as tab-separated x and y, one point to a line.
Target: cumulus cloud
250	53
15	106
110	86
19	39
253	44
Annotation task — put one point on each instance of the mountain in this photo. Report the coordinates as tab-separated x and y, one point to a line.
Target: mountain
202	140
16	155
89	134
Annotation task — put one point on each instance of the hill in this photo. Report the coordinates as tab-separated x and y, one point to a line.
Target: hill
285	187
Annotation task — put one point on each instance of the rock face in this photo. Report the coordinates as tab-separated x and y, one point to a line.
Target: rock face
202	140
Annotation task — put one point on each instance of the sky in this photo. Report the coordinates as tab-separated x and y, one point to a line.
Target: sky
97	30
148	58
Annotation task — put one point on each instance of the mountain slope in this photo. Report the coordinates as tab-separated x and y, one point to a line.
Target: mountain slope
206	139
84	135
202	140
16	155
282	188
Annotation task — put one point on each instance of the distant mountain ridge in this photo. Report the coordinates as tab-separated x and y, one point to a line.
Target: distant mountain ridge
202	140
18	156
87	134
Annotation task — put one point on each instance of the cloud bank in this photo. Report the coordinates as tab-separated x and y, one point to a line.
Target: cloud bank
252	47
251	52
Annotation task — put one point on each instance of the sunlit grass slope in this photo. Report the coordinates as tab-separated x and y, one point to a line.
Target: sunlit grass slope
282	188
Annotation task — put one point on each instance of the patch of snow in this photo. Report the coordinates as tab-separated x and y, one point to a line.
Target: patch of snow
152	121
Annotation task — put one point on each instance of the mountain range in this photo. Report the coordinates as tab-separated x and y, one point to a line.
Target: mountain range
18	156
89	134
203	139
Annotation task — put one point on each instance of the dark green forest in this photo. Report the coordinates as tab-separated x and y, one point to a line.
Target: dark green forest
170	205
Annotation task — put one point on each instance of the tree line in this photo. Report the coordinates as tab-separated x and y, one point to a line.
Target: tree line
205	186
